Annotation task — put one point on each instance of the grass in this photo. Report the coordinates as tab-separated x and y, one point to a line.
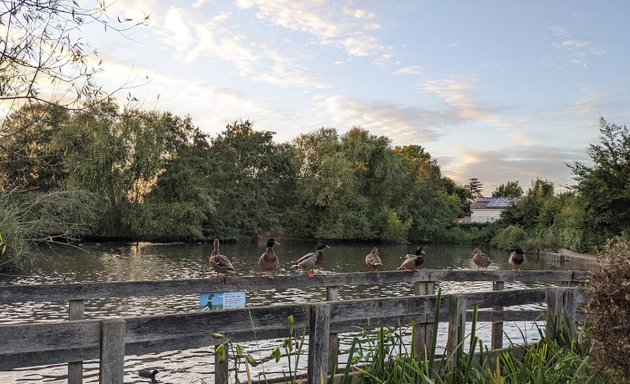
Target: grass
383	357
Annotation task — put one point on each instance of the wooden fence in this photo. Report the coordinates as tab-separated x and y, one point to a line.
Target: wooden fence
109	340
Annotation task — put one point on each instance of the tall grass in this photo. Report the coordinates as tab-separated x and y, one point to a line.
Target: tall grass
384	357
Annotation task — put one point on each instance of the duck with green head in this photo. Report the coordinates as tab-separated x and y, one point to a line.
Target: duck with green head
268	261
312	260
517	258
220	263
412	262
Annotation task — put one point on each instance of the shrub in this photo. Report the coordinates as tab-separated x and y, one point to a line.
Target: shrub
506	237
609	307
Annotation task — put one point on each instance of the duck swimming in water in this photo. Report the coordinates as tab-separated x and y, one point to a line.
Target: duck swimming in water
220	263
268	261
149	374
312	260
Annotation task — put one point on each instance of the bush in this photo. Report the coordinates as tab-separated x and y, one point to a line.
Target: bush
507	237
609	307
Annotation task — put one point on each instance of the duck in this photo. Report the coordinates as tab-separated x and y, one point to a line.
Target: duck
517	258
149	374
481	260
312	260
220	263
373	260
413	261
268	261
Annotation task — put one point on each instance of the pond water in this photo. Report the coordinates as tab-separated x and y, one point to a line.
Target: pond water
148	261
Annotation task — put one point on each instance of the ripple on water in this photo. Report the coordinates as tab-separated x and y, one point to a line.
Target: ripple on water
145	261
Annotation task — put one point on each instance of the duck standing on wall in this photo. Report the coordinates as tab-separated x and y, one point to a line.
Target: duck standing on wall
268	261
220	263
312	260
517	258
373	260
481	260
413	262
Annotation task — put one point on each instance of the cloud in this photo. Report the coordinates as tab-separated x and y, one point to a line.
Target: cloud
522	164
576	51
409	70
402	124
344	27
457	95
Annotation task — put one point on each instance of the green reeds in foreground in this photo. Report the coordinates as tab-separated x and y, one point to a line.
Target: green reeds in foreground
559	357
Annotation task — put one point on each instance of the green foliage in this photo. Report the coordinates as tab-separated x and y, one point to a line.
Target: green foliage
609	307
511	189
507	237
475	187
604	186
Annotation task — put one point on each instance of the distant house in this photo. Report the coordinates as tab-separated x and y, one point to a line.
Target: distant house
488	209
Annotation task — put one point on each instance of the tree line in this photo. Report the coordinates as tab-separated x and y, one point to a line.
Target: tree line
116	173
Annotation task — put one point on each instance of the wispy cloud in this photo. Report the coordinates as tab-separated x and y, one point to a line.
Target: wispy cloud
577	51
409	70
402	124
522	164
347	27
457	95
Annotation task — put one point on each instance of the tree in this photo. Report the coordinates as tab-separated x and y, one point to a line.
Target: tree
604	185
28	160
511	190
248	171
475	187
527	211
43	58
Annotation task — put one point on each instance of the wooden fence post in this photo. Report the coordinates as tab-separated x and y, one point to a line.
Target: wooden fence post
221	366
561	306
456	328
332	294
318	331
423	331
75	369
497	328
112	363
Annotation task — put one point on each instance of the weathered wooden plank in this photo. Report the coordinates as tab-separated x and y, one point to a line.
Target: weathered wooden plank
112	361
456	328
221	367
561	306
497	327
85	291
332	294
319	328
48	343
75	369
60	342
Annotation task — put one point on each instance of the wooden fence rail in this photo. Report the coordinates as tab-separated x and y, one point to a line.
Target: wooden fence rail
109	340
79	340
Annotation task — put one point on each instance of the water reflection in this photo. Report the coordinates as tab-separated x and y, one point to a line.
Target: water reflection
146	261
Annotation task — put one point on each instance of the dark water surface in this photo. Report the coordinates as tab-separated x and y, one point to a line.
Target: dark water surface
146	261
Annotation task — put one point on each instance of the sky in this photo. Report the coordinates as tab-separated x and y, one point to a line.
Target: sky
497	90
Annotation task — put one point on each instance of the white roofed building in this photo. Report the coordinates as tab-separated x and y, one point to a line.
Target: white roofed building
488	209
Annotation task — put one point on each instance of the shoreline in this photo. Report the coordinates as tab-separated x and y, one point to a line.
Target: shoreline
565	256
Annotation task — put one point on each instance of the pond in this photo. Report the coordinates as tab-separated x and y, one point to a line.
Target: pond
149	261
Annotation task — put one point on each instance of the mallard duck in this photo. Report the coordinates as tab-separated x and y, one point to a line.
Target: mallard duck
149	374
220	263
481	260
517	258
268	261
412	262
312	260
373	260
